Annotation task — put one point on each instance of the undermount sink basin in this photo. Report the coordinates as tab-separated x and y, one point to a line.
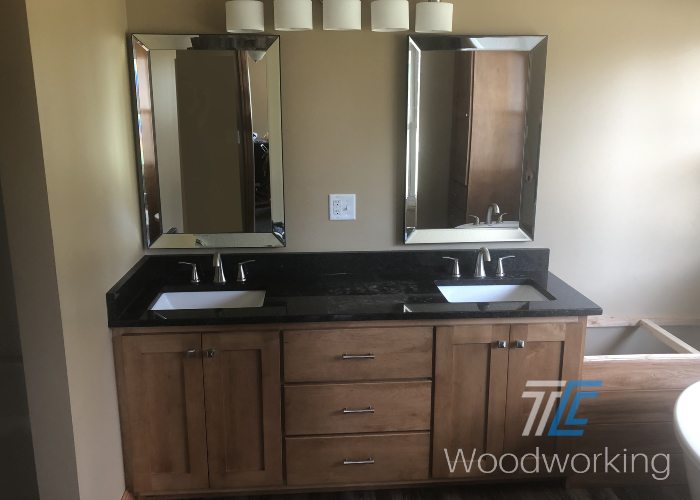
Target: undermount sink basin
491	293
209	300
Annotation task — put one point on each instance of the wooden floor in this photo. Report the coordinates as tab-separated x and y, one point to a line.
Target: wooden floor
531	491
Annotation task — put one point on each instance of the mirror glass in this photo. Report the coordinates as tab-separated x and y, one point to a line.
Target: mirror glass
210	139
474	120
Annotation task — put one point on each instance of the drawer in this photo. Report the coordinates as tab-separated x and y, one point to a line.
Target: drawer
325	409
323	460
327	355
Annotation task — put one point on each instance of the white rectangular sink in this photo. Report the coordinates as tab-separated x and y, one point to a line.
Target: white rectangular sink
209	300
491	293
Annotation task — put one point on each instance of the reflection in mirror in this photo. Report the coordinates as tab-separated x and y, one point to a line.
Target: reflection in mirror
471	104
210	136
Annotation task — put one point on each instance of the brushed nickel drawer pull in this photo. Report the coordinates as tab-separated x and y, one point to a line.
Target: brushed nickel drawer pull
369	409
358	356
520	344
358	462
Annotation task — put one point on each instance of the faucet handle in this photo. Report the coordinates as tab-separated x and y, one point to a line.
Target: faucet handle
500	273
195	276
500	219
476	220
455	266
242	278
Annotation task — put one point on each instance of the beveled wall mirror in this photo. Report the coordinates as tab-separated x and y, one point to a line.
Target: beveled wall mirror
474	124
209	122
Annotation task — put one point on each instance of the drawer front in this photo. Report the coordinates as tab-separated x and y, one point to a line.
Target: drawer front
323	460
364	407
331	355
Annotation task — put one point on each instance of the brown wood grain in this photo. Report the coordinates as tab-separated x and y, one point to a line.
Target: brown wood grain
497	132
649	438
551	353
165	395
639	478
244	415
343	325
632	373
319	460
621	407
317	356
470	391
318	409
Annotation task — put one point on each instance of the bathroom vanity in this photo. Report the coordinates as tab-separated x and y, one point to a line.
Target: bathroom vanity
354	372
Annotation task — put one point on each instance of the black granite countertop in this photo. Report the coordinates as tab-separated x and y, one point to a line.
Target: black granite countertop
357	286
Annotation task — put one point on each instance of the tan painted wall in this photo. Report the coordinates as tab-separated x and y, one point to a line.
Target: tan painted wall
31	249
81	73
620	169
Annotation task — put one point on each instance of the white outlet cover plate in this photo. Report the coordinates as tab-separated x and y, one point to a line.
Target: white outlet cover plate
341	206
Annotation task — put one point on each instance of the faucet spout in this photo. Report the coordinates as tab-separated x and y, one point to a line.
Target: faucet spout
484	255
218	269
493	210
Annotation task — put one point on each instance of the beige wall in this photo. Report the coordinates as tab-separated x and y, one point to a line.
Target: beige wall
620	169
81	73
31	247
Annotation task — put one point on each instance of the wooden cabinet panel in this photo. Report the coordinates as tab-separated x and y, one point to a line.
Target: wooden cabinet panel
497	131
317	355
551	352
165	397
321	460
319	408
243	401
470	393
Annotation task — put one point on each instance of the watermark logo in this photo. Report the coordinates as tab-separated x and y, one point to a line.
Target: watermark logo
554	388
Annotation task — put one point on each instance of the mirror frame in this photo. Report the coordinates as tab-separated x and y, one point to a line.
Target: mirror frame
536	46
146	150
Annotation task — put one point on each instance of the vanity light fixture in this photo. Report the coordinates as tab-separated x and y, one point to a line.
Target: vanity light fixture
293	15
342	14
434	16
390	15
245	16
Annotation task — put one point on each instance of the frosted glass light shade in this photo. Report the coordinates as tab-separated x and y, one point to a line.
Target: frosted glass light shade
390	15
244	16
433	17
342	14
293	15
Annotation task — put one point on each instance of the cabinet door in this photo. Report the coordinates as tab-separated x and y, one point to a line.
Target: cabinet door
550	353
165	398
470	395
244	415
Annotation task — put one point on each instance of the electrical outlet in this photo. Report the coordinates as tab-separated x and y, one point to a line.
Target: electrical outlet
342	206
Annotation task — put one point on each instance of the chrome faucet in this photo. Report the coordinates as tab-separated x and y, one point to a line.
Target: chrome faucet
242	278
493	210
455	266
218	269
484	255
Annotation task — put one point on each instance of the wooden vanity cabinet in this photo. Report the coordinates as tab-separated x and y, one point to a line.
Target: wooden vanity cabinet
162	404
244	408
200	411
481	373
258	409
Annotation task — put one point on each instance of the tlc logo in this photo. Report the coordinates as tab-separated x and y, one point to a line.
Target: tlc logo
553	386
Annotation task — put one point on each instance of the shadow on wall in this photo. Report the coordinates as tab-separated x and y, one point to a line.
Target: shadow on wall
17	470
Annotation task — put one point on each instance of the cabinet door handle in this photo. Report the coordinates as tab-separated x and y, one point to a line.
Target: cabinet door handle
358	356
211	353
520	344
358	462
191	353
369	409
501	344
